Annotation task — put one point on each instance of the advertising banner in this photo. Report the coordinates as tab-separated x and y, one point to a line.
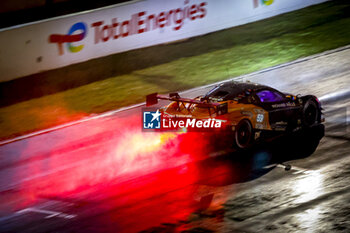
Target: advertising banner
32	48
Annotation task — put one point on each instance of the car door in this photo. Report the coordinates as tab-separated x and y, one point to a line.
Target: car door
283	111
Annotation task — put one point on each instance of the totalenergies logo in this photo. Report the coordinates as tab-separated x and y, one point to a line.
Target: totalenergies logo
267	2
114	28
75	34
263	2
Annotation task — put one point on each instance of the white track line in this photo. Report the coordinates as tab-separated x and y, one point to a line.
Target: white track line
296	169
50	213
242	77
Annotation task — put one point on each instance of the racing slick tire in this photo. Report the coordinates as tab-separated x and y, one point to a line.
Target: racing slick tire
243	137
311	113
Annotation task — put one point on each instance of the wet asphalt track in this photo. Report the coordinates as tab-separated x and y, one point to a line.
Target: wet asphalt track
65	181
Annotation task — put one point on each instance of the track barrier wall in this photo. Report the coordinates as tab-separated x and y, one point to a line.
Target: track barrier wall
50	44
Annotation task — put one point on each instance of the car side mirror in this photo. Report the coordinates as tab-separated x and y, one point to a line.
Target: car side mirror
291	97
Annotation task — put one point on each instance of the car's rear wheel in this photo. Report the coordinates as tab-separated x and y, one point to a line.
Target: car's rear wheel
244	134
310	113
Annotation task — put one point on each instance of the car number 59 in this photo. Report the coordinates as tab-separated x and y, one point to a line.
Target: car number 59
260	118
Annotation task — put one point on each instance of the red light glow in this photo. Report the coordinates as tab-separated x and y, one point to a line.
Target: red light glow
112	156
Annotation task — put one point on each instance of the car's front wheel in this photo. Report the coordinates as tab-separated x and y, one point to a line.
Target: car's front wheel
243	134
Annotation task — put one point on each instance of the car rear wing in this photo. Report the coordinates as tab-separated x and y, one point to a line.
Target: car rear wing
220	108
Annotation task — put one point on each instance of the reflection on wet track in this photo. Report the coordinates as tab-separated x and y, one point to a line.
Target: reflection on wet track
173	195
309	186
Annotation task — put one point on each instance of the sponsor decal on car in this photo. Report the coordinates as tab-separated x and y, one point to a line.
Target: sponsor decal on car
283	105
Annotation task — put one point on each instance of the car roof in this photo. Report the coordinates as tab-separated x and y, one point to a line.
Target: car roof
232	89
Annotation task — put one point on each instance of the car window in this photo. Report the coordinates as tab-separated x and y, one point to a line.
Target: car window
220	94
269	96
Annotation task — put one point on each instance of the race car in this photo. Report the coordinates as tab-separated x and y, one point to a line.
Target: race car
248	108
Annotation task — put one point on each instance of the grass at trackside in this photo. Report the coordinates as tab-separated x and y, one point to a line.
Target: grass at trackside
191	63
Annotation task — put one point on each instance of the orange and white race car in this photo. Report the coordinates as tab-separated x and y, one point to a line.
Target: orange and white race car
247	108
